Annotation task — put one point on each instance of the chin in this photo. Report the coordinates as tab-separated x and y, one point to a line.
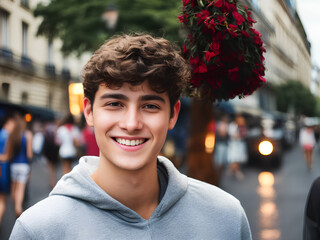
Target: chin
133	165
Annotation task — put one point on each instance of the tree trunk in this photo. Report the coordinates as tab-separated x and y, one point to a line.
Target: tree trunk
200	164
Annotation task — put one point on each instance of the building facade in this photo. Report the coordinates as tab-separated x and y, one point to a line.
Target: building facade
33	71
288	50
315	84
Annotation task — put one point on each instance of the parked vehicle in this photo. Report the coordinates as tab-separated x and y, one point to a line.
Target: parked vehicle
269	134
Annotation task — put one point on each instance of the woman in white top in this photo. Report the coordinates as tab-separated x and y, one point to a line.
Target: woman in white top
69	137
307	141
237	146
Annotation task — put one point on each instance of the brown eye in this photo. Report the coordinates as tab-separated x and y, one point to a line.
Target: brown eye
113	104
151	106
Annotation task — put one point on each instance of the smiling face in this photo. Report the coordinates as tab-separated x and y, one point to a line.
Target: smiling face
130	124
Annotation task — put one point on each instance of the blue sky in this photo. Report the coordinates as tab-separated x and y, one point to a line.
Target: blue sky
309	12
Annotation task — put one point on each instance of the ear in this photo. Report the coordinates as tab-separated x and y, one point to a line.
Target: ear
174	117
87	111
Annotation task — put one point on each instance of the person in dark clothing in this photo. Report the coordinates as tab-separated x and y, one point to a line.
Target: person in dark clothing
311	228
51	150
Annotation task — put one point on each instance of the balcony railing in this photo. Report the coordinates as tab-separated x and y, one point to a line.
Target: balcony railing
6	53
25	64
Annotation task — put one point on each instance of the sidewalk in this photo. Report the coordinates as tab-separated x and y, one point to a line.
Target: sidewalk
38	188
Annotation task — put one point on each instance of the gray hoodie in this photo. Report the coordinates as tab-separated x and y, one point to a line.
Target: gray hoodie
78	208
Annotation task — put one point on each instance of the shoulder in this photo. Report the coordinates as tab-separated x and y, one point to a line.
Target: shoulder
212	196
46	215
47	207
315	188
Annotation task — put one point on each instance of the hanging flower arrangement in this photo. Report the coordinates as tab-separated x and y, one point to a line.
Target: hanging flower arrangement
224	50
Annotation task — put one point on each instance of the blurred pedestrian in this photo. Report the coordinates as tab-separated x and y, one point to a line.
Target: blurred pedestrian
20	165
311	227
68	137
89	140
51	150
221	142
5	181
37	141
307	141
237	150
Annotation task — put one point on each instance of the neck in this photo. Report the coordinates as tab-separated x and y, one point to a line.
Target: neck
138	190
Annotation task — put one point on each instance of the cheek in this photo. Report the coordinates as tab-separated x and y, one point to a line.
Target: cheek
102	122
160	129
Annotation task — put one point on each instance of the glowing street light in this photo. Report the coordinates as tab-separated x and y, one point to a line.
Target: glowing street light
76	98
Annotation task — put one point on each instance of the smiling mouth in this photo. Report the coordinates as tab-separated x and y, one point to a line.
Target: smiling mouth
127	142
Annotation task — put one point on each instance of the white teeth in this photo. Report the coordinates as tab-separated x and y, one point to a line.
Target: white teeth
129	142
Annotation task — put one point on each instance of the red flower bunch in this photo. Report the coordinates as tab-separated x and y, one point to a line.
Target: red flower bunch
223	48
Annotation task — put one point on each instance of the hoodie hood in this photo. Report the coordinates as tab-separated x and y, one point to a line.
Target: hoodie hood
79	184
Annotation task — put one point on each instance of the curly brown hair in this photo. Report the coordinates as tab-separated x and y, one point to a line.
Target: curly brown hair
133	59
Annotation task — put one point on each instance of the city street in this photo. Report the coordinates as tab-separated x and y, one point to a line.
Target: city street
38	188
274	212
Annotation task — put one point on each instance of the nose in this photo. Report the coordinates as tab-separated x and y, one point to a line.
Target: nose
132	120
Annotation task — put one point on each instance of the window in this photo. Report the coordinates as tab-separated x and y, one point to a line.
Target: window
24	38
25	3
49	51
5	90
50	68
65	70
24	98
4	28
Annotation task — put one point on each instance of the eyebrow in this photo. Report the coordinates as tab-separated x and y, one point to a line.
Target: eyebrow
124	97
114	95
152	97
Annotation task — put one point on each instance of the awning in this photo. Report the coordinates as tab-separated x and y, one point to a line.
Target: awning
40	113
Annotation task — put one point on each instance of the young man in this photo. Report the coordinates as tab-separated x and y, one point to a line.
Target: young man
132	85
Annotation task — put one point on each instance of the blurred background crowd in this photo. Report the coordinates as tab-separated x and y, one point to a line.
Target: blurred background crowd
52	143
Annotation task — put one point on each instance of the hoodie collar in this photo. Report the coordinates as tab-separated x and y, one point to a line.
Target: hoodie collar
79	184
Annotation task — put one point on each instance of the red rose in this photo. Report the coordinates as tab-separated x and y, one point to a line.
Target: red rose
233	34
202	67
201	17
218	4
221	18
194	60
185	2
233	74
209	55
198	65
233	27
250	20
214	46
183	18
245	33
262	79
185	49
237	16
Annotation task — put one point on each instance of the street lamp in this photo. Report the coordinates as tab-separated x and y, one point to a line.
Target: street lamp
110	16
